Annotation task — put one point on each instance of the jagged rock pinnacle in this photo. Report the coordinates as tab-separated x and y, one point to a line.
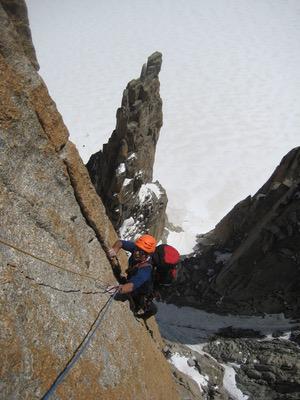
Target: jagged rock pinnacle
153	66
122	172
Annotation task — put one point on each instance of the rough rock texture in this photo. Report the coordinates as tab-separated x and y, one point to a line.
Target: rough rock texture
265	369
122	171
250	262
17	12
54	234
206	366
189	389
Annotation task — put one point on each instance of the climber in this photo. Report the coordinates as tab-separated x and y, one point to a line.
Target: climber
137	286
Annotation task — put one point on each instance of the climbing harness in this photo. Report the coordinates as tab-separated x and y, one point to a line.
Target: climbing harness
80	349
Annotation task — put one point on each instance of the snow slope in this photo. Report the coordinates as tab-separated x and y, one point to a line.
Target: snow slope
230	83
193	328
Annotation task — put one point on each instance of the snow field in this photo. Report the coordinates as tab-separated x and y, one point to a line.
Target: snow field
230	84
193	328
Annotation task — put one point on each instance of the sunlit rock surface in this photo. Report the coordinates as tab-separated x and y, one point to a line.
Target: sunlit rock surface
54	234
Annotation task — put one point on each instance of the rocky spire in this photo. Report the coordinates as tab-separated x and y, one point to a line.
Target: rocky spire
122	172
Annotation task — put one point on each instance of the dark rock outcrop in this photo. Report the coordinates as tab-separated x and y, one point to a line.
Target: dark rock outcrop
265	369
54	235
250	262
211	374
122	171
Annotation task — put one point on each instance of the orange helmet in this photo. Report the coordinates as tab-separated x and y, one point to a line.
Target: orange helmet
146	243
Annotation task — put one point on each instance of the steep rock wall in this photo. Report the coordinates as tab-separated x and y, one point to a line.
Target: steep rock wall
17	12
54	234
122	171
251	262
265	237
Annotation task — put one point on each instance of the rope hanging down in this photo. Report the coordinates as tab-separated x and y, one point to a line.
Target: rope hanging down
80	349
83	345
49	262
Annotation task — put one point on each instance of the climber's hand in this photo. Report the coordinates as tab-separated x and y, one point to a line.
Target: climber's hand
112	253
112	289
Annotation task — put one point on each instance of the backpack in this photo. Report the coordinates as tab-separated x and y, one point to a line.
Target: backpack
165	259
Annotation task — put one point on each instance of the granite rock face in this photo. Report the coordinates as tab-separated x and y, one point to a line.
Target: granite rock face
54	235
204	369
122	171
250	262
17	13
265	369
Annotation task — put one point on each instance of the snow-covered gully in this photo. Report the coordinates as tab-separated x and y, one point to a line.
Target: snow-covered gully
186	328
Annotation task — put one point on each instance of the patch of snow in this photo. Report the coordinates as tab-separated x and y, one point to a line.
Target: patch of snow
286	336
133	155
270	337
230	383
121	169
126	182
191	326
182	241
181	363
128	227
217	128
148	189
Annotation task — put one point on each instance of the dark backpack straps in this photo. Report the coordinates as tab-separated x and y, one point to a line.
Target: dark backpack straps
158	255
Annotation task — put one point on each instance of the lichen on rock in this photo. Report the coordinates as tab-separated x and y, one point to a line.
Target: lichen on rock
54	236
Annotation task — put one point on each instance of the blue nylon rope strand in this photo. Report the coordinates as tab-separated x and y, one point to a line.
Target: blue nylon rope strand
80	349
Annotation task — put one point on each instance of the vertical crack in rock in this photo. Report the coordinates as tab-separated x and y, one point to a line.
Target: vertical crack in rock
46	200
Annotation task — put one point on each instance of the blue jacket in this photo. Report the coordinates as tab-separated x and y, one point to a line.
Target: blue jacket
140	277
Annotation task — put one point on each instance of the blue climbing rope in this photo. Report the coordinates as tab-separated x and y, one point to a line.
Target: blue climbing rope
80	349
82	346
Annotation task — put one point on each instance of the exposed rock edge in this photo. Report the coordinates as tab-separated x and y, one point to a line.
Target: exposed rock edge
50	209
